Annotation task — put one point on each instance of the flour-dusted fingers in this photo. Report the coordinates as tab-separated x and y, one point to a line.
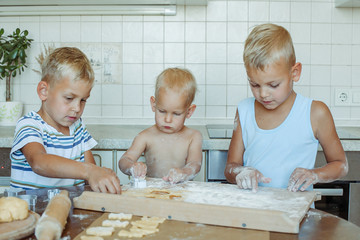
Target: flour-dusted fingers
248	178
138	170
301	179
175	175
102	179
254	184
116	184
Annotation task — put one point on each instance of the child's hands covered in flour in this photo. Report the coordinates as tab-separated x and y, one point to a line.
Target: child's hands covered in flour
249	178
301	179
138	170
175	175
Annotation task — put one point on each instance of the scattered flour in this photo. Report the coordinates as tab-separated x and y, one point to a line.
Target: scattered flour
81	216
231	195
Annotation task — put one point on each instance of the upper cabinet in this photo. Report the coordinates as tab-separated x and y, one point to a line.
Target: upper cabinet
347	3
93	7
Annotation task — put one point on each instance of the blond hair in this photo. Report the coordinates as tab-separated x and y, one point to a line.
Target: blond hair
177	79
66	61
267	44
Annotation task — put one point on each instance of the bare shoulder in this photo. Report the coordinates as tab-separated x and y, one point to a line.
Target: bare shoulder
321	119
146	134
194	133
320	111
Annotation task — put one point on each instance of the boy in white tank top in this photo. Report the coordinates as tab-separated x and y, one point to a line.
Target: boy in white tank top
272	69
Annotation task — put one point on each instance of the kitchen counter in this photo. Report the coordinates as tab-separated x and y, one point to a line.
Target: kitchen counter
315	225
121	136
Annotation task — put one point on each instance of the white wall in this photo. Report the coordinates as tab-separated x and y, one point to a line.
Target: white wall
208	41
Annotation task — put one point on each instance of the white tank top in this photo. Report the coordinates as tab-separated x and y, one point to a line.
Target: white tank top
277	152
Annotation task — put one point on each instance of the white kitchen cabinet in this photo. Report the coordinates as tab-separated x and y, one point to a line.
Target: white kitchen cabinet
104	158
201	177
110	159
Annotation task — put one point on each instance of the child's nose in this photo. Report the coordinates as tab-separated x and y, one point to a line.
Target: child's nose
76	106
168	118
264	93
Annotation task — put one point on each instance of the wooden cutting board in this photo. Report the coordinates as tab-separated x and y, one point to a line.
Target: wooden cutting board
183	230
19	229
269	209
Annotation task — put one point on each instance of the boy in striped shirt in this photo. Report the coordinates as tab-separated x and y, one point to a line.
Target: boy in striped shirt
51	147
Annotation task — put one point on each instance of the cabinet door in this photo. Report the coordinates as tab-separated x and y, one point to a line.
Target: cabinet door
201	176
103	158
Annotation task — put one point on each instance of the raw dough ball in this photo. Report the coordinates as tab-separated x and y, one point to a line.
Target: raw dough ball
13	209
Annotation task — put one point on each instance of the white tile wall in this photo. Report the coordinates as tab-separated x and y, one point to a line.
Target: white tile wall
128	52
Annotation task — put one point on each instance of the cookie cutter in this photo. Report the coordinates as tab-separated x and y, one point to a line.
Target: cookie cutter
13	192
52	192
139	183
30	199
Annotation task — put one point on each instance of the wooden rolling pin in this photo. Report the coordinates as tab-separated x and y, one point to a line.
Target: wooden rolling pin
53	220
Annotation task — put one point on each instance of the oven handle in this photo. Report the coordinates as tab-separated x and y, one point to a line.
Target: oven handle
330	191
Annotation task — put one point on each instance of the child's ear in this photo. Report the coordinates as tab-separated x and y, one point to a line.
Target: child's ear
191	110
152	103
296	72
42	90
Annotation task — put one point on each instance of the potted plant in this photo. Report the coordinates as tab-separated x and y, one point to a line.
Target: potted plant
12	62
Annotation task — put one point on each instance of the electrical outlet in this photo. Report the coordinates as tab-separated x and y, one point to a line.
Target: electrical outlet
343	97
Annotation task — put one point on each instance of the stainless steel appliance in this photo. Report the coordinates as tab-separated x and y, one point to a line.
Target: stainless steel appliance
5	166
339	198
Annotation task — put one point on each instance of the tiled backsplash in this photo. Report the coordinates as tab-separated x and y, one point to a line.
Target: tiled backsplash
128	52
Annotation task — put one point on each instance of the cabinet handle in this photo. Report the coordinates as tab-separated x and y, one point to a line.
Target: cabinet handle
330	191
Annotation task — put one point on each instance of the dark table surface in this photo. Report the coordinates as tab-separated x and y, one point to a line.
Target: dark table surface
315	225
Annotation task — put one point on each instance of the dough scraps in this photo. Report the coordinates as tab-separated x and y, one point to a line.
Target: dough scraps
162	194
145	224
114	223
119	216
100	231
13	209
140	228
91	238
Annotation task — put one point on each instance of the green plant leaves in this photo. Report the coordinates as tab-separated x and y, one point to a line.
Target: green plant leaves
13	55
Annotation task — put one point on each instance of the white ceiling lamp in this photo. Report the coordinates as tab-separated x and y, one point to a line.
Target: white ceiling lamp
81	7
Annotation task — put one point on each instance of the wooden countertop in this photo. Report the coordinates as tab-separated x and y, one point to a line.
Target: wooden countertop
315	225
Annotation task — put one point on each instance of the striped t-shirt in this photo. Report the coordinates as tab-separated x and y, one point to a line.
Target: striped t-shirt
32	128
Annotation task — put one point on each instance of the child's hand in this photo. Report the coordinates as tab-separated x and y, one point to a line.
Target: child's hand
249	178
175	175
103	180
138	170
302	176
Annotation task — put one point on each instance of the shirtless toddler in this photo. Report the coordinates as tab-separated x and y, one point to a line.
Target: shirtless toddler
172	151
